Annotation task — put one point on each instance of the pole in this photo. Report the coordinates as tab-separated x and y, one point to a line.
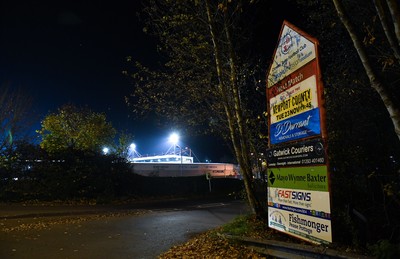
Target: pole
208	177
181	159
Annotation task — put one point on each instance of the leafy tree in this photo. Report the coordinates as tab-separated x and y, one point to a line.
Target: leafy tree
75	129
123	149
16	119
204	82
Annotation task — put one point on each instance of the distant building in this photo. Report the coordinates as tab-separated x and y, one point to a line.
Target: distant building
170	158
172	165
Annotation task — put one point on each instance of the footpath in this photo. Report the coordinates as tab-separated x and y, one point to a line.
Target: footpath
48	209
13	211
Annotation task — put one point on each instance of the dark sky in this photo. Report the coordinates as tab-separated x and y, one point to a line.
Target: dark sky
70	51
74	52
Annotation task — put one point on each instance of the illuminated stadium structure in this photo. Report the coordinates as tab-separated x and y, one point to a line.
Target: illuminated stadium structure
179	164
171	158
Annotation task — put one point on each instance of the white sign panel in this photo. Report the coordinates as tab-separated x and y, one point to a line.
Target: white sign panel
293	52
304	201
296	100
306	227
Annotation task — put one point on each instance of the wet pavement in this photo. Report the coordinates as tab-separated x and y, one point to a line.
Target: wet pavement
123	231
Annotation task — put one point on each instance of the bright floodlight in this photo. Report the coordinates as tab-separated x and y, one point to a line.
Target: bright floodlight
105	150
133	146
174	138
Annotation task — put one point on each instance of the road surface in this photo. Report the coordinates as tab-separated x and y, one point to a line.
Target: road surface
126	232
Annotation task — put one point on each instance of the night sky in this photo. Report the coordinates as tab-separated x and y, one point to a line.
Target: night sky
70	52
63	52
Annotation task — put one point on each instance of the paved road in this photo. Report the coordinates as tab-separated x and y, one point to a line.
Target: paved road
128	231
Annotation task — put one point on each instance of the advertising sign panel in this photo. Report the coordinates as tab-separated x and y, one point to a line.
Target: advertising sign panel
299	203
293	52
294	78
313	178
298	99
298	178
294	107
306	124
306	227
311	152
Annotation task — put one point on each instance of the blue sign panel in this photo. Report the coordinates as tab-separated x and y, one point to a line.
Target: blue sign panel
304	125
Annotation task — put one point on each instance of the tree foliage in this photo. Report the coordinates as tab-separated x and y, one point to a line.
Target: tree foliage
14	116
382	69
388	13
205	81
16	119
124	148
363	147
75	129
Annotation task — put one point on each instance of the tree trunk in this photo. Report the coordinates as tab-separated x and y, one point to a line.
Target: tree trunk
376	83
394	11
385	25
233	113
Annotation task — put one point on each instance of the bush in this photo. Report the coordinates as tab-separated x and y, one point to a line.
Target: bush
383	249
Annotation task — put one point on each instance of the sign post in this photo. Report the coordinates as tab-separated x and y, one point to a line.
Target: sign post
208	177
298	175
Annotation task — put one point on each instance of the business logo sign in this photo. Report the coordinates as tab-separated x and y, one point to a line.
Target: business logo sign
312	178
311	152
278	220
310	228
293	52
312	203
300	126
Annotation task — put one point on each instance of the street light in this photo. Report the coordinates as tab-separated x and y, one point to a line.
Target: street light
106	150
174	139
132	151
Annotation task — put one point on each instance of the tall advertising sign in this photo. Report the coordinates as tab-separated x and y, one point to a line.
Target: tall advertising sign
298	176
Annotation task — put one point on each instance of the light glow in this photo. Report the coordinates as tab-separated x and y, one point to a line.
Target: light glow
174	138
